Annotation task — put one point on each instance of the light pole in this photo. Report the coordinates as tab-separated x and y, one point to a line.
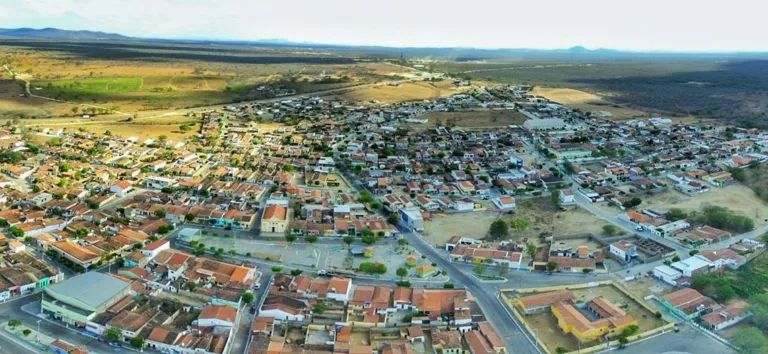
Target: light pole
37	335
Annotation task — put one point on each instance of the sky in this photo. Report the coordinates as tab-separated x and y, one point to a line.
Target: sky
639	25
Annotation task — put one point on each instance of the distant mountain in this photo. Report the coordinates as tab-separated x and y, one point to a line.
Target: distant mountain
58	33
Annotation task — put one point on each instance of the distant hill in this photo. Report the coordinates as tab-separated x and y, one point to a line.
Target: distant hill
58	33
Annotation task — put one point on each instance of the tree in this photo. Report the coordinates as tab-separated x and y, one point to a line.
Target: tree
138	342
499	229
552	266
318	308
503	269
296	272
189	217
393	218
402	242
190	286
16	231
348	262
519	224
26	332
368	240
449	286
750	341
247	297
530	249
480	269
758	306
609	230
676	258
348	240
311	239
288	168
276	268
561	350
676	214
159	213
113	334
291	238
402	272
14	323
373	268
693	252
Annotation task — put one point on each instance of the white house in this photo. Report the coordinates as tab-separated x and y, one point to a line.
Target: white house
284	308
121	188
505	203
692	266
667	274
153	249
159	182
339	289
463	205
566	197
668	228
623	250
217	316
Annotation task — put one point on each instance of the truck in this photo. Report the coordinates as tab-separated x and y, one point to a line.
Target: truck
338	273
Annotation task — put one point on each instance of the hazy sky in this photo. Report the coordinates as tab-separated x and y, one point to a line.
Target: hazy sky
677	25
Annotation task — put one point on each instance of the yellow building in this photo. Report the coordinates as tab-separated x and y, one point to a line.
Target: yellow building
275	219
612	320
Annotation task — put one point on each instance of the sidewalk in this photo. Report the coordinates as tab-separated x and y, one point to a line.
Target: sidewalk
39	341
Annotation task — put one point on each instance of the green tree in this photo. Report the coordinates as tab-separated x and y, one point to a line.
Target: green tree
368	240
348	262
276	268
14	323
159	213
137	342
402	272
247	297
552	266
519	224
296	272
402	242
609	230
318	308
16	231
311	239
348	240
480	269
503	269
693	252
189	217
26	332
499	229
113	334
758	306
291	238
676	214
393	218
561	350
530	249
190	286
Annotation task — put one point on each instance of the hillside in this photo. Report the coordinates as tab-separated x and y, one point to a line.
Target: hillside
51	33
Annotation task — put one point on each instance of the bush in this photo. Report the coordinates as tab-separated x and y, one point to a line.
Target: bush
276	268
449	286
373	268
26	332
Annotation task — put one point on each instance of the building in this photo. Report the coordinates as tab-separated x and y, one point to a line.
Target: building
151	250
447	342
505	203
217	316
623	250
667	274
411	219
79	299
275	219
566	197
160	182
610	320
541	302
687	303
284	308
544	124
726	316
692	266
121	188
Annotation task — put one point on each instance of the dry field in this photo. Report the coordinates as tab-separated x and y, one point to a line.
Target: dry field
444	226
13	105
544	218
142	127
410	91
586	101
476	119
736	197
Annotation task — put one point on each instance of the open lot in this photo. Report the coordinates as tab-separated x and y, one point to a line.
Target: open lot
296	254
410	91
118	126
543	217
444	226
481	118
386	252
586	101
735	197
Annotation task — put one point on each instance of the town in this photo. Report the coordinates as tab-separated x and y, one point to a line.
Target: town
491	220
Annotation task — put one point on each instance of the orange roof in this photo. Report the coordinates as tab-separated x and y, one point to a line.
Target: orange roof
637	217
224	313
275	211
548	298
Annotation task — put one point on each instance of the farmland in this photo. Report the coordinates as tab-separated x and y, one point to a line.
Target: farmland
405	92
133	77
481	118
141	128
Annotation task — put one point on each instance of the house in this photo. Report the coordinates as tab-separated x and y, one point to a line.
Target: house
61	347
275	219
687	303
121	188
623	250
566	197
543	301
151	250
411	219
667	274
16	246
447	342
726	316
505	203
284	308
479	254
611	320
692	266
217	316
156	182
724	257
